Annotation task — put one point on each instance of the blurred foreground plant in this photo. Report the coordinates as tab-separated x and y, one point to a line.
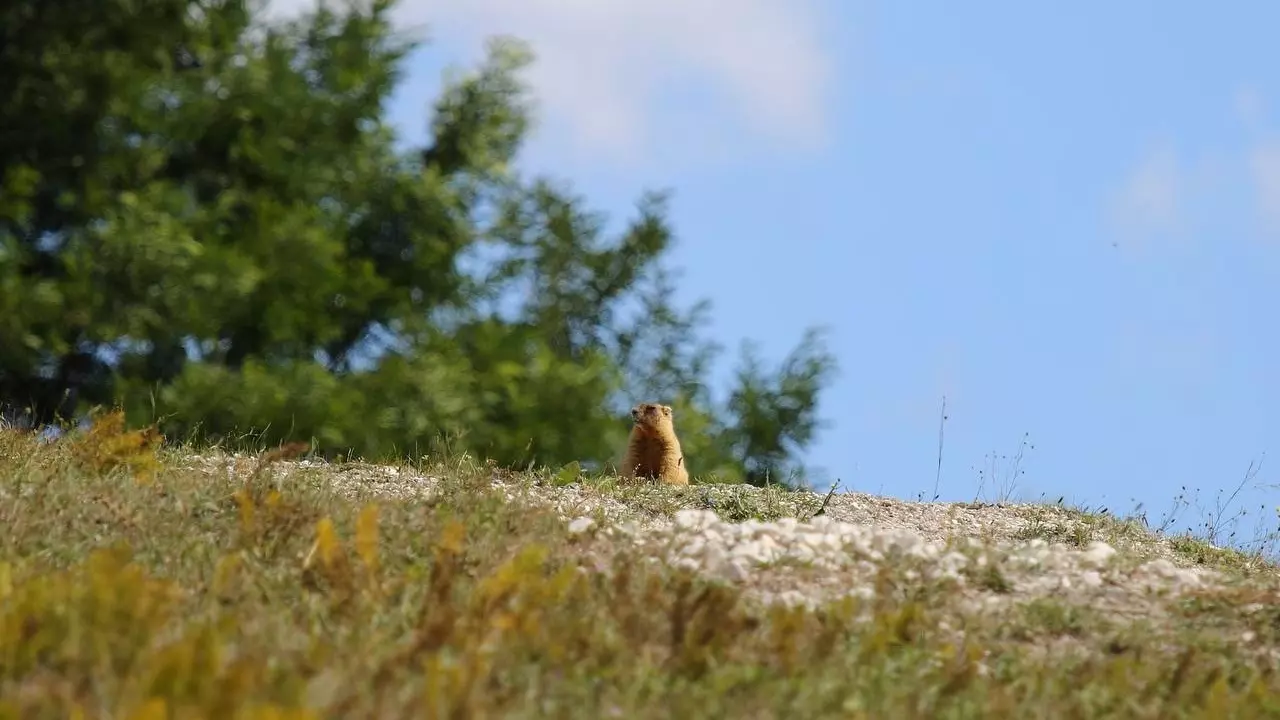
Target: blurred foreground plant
257	592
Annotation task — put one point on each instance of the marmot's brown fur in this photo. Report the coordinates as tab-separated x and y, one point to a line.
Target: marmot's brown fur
653	452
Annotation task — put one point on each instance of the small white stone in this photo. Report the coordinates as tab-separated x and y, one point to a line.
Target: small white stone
791	597
694	519
580	525
695	547
863	592
769	546
803	553
1098	553
953	562
686	563
822	523
738	569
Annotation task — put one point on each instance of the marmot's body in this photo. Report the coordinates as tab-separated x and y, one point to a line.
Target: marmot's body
653	452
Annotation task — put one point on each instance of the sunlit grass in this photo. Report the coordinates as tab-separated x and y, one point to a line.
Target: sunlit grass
198	595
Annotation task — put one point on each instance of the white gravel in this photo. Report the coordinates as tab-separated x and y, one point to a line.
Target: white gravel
983	553
845	558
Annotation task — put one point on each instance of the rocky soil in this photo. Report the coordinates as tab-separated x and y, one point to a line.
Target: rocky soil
790	547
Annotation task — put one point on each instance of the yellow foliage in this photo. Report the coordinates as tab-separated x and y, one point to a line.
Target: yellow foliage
244	501
367	536
106	445
328	560
327	542
268	521
105	612
153	709
275	712
226	575
64	634
452	538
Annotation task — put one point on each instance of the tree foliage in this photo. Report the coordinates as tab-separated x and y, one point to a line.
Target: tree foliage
206	218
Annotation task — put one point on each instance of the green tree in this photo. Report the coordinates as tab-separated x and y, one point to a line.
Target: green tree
206	218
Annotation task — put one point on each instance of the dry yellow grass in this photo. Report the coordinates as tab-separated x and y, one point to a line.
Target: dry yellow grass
198	596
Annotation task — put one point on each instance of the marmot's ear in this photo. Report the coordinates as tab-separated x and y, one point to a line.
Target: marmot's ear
666	410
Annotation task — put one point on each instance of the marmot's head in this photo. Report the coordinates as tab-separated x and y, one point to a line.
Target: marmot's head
651	415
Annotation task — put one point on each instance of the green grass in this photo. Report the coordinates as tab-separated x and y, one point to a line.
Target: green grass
1078	528
196	595
1199	552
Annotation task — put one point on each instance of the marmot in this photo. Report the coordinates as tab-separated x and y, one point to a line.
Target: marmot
653	450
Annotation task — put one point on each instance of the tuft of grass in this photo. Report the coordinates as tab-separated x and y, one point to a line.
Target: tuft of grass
989	577
1078	527
1198	551
731	502
200	594
1045	616
1056	530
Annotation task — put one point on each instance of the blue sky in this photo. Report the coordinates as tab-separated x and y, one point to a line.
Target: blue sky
1064	217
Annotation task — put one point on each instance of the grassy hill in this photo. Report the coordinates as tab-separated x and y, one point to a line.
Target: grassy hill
140	583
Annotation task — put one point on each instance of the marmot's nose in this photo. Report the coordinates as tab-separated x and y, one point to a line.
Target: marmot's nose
635	414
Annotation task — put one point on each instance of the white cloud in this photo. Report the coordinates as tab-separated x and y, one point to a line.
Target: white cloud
625	78
1262	157
1150	201
1166	196
1264	163
1250	108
